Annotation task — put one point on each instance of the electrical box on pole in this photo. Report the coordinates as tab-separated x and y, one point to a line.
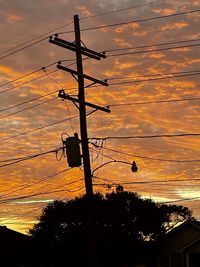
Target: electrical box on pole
72	145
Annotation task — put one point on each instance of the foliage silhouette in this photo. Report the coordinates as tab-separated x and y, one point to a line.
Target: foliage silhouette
126	225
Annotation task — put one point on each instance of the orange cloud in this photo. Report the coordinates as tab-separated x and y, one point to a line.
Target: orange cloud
84	10
140	33
132	26
175	25
121	42
125	65
164	11
12	18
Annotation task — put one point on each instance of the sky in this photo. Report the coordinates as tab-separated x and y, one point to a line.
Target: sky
152	68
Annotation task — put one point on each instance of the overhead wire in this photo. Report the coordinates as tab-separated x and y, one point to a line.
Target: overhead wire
27	185
122	9
36	98
26	82
37	70
68	111
70	22
20	49
92	28
155	75
28	101
152	158
28	108
145	136
152	45
97	138
195	72
9	162
110	50
37	129
155	102
180	200
37	78
5	201
137	21
121	182
153	50
153	79
30	42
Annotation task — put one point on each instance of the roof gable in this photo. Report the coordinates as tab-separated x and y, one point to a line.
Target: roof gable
180	237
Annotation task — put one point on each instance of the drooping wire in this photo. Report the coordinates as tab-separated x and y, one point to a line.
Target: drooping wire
122	9
28	43
137	21
145	136
150	158
155	102
25	109
9	162
153	50
152	45
36	129
8	200
27	185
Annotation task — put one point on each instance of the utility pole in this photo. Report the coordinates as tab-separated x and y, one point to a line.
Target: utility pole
80	50
82	110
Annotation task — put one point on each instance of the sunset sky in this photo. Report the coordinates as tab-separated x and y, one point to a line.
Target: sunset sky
153	61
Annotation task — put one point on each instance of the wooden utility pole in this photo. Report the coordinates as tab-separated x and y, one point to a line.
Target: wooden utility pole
92	234
82	110
80	50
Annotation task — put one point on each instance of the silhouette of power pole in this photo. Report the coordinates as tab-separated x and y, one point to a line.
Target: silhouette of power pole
78	74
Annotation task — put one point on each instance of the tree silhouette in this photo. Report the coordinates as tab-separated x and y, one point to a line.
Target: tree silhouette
125	222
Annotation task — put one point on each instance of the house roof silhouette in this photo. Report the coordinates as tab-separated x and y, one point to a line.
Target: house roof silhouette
180	247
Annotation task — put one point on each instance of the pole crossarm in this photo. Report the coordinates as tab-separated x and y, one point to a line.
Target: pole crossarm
82	75
73	47
63	95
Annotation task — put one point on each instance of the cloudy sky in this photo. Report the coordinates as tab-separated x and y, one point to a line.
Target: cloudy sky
152	67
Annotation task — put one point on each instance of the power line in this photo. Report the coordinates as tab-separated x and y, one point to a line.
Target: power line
155	75
145	136
23	186
154	79
122	9
20	49
147	182
32	80
37	78
36	129
22	110
35	71
153	50
22	77
96	138
4	201
155	102
162	202
140	20
28	101
17	160
179	200
183	73
151	45
26	43
66	24
149	158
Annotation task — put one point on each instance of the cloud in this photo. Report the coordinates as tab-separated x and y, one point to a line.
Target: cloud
22	21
